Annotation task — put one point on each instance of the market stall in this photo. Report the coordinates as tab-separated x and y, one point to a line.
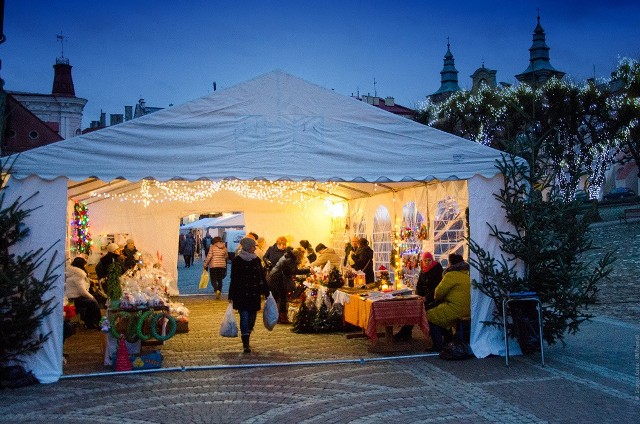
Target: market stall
296	158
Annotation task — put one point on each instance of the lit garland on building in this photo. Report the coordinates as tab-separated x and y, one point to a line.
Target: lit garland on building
80	236
281	192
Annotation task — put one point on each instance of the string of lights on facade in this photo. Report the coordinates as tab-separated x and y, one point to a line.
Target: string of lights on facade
281	192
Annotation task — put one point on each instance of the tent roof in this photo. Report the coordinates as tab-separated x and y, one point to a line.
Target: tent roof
273	127
235	220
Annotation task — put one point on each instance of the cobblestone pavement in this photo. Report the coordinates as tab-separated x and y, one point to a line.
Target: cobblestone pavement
328	378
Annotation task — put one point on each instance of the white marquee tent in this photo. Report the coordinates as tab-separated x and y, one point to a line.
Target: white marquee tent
275	127
229	221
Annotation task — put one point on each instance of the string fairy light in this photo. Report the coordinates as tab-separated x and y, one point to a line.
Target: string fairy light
281	192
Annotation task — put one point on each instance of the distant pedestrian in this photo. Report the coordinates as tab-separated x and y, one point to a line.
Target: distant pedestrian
189	249
216	261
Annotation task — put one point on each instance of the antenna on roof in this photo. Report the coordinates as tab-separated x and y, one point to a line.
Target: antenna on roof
61	39
375	91
214	86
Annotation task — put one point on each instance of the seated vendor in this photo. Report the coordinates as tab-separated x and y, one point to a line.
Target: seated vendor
76	289
453	298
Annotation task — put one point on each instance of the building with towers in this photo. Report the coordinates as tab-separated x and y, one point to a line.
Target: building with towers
538	72
60	110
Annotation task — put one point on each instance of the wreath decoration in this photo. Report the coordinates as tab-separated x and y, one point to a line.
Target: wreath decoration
171	331
140	325
116	319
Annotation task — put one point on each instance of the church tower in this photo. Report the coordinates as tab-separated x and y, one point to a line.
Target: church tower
448	78
61	110
540	69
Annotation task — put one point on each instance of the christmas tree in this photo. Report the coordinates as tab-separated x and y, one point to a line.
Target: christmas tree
303	321
25	301
80	236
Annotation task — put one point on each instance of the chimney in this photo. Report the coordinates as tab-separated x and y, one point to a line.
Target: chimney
389	101
128	113
115	119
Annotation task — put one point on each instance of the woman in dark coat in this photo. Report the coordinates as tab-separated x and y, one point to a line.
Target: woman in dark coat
247	285
281	279
428	279
363	260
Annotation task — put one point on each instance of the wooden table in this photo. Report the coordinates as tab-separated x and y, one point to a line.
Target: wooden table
368	315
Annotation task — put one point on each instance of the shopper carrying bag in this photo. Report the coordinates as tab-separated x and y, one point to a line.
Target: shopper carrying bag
229	326
270	313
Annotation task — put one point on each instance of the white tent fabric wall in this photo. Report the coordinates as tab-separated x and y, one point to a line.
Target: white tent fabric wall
486	340
47	230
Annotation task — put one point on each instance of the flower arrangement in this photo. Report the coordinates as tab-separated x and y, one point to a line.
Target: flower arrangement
406	233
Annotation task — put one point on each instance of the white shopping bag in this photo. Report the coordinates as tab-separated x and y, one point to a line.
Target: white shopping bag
229	326
270	313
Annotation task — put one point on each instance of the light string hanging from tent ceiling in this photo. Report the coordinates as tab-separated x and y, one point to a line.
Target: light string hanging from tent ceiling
282	192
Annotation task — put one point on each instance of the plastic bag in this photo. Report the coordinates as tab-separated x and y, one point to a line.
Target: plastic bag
270	313
204	279
229	326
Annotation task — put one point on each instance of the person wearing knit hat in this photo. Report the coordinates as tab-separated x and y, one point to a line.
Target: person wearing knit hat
112	256
246	286
428	279
325	254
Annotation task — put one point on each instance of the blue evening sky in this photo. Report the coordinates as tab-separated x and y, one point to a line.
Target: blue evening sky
170	52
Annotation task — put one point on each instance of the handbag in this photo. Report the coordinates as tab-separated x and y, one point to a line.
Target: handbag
270	313
229	326
204	279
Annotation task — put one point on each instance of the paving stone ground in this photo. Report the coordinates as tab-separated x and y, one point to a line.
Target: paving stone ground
289	377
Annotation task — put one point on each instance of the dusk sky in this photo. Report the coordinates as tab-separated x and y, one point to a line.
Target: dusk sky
170	52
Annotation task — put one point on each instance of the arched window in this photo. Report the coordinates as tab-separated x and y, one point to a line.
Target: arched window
410	243
382	242
448	229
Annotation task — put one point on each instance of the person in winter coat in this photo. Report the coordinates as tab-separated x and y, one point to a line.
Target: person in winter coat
363	260
189	249
349	249
76	289
275	252
428	279
453	298
114	254
281	282
326	254
309	253
216	261
130	255
247	285
207	241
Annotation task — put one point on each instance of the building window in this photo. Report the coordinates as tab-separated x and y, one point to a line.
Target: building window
33	135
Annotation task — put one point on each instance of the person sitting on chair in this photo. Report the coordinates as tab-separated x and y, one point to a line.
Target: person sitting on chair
76	289
453	298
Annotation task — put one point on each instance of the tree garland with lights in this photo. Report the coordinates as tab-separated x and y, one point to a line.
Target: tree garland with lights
80	236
